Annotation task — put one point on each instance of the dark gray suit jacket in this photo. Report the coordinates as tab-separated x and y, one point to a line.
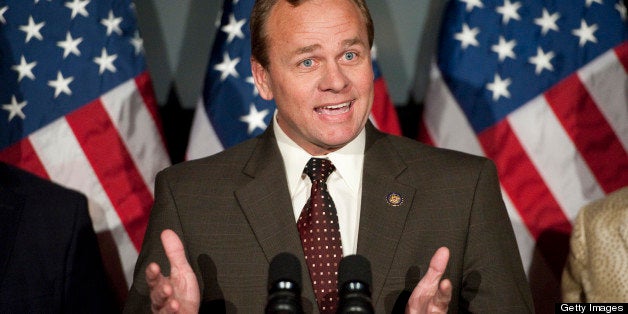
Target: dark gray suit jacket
234	214
49	256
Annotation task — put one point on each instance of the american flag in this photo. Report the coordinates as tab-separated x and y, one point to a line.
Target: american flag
540	87
230	109
77	107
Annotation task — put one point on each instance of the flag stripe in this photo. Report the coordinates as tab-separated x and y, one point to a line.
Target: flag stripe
145	88
23	155
605	82
522	182
145	144
592	135
117	173
65	161
524	239
424	135
554	156
203	138
383	112
622	54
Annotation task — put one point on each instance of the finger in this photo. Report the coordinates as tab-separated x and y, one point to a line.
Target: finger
153	275
438	264
174	249
443	295
427	289
159	296
173	306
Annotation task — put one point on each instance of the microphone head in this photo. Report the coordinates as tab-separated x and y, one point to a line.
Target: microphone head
284	268
354	269
284	285
354	286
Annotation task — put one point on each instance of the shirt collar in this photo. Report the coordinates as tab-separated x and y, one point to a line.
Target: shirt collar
348	160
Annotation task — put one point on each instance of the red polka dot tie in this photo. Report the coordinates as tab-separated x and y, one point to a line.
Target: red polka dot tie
320	236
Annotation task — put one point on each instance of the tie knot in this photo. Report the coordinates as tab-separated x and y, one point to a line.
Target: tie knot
319	169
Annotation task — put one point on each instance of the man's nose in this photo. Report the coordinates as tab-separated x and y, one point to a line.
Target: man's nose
334	78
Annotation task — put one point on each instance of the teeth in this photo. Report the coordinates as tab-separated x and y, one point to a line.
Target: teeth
337	106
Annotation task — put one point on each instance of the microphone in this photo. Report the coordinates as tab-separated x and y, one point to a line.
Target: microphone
284	285
354	285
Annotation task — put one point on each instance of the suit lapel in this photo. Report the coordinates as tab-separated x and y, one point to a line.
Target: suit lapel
382	216
266	203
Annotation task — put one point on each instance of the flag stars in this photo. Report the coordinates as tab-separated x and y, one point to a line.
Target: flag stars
499	87
472	4
24	69
70	45
105	61
2	11
547	22
590	2
227	67
137	42
234	28
112	24
78	7
509	11
251	81
32	29
467	36
61	85
585	33
504	49
619	6
542	61
15	108
255	119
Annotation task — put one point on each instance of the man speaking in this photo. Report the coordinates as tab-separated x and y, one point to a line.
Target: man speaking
322	183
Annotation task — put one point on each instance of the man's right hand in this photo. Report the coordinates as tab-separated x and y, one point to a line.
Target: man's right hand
178	293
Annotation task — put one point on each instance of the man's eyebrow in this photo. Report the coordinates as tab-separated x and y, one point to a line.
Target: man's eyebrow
307	49
352	42
345	43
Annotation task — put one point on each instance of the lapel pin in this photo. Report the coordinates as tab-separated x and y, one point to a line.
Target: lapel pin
394	199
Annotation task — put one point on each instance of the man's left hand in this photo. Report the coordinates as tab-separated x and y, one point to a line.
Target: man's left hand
431	294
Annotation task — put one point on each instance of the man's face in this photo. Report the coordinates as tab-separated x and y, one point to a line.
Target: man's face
320	72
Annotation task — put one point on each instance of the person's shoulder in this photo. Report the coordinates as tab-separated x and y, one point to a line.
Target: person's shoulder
25	183
617	200
413	150
609	210
226	159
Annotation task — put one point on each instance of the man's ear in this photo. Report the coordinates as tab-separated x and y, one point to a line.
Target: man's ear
262	80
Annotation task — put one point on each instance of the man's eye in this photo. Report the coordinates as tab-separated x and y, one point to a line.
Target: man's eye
307	63
350	55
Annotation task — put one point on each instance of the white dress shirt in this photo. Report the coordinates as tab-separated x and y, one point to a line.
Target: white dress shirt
345	184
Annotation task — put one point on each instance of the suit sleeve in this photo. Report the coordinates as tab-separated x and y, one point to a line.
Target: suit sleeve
493	276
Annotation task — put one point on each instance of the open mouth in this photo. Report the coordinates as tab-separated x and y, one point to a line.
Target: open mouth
335	109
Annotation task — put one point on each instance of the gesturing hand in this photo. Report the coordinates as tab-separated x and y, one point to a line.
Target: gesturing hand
431	294
179	292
